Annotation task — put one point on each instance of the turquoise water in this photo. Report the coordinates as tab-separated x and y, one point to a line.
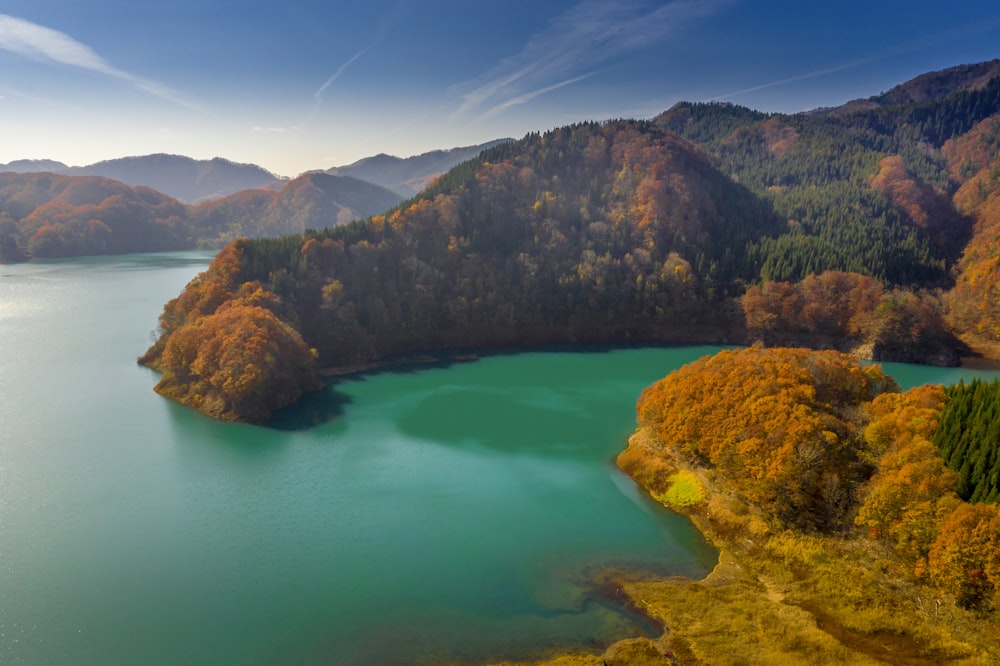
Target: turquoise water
445	513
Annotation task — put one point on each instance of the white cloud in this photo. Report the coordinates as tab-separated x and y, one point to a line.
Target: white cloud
46	45
572	46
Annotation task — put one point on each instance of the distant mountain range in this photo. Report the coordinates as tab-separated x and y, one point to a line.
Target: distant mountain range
183	178
193	181
166	202
44	214
407	176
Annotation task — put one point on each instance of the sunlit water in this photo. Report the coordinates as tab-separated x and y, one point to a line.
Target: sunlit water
442	513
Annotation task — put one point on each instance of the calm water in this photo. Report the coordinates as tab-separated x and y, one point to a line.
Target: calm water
445	513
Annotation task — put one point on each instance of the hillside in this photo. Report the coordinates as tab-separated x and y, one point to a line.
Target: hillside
46	215
406	176
901	192
180	177
312	201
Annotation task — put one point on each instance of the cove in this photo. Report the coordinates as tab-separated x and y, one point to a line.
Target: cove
445	513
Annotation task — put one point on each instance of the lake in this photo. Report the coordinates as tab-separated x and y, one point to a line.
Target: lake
421	515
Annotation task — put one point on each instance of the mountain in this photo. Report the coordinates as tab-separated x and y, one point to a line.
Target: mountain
52	215
710	223
180	177
407	176
934	85
929	86
35	166
906	193
311	201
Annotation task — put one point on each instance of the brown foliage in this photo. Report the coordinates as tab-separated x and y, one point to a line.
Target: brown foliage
844	310
780	425
965	558
911	486
975	300
925	207
237	363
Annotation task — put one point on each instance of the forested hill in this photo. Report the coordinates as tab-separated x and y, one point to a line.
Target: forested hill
868	191
44	215
905	192
821	482
848	230
590	233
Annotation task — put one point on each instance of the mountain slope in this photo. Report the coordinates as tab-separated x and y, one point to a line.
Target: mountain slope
181	177
312	201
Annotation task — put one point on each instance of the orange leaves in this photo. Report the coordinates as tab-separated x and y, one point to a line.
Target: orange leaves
965	559
916	198
778	423
911	488
238	363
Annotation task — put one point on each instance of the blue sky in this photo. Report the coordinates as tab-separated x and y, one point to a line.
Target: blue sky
297	85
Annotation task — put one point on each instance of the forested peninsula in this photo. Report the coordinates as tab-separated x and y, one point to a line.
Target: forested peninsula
871	229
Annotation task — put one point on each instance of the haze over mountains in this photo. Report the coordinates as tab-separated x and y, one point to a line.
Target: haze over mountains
166	202
193	181
182	178
407	176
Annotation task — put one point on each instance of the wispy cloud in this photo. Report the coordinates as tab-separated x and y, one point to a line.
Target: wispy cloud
893	51
793	79
573	47
389	20
528	96
46	45
318	96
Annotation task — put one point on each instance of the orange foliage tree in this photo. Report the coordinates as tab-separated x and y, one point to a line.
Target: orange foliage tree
781	425
965	558
912	486
238	363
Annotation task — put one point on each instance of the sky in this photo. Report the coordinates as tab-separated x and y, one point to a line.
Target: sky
296	85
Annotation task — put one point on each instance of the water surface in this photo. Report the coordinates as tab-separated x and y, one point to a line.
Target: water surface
445	513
